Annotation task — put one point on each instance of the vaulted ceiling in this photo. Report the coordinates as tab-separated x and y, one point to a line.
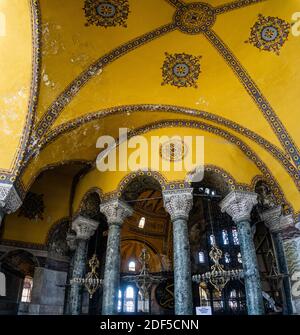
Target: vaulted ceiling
78	69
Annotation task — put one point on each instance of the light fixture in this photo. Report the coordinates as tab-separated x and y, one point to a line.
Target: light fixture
92	282
144	279
217	276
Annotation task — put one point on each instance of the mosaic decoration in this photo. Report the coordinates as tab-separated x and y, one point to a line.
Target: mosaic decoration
269	33
71	91
235	5
33	206
254	92
194	18
181	70
174	150
106	13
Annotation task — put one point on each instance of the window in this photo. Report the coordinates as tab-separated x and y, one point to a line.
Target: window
131	266
235	237
120	301
239	258
212	240
225	237
232	299
201	257
27	288
142	223
129	300
227	258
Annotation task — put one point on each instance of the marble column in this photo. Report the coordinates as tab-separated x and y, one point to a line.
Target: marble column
115	212
239	204
2	213
271	218
84	228
178	204
291	244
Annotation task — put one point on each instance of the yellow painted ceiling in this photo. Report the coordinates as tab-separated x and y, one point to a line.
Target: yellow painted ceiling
69	47
15	76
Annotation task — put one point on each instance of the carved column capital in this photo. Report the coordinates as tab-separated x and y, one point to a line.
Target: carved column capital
116	211
271	218
178	203
84	227
10	200
239	204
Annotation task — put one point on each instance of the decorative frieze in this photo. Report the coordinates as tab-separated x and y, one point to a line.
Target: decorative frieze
116	211
239	204
84	227
178	203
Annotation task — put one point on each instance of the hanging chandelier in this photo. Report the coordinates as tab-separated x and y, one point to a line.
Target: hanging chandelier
217	276
144	279
91	281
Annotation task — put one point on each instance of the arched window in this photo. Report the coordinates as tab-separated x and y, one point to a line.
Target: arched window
225	237
131	266
201	257
129	303
120	301
142	223
27	288
235	237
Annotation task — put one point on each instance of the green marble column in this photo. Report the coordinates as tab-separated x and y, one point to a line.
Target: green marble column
115	212
84	228
272	218
291	244
178	204
239	204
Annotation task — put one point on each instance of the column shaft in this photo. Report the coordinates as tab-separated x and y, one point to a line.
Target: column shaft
251	272
78	272
112	271
182	269
282	267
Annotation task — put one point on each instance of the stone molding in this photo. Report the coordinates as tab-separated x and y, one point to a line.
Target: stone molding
239	204
178	203
10	200
84	227
115	211
272	218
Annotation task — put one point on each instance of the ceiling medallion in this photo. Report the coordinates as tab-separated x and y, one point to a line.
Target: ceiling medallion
173	150
106	13
269	33
195	18
181	70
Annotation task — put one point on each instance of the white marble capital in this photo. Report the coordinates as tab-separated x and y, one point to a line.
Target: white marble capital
287	222
115	211
239	204
271	218
84	227
10	200
178	203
